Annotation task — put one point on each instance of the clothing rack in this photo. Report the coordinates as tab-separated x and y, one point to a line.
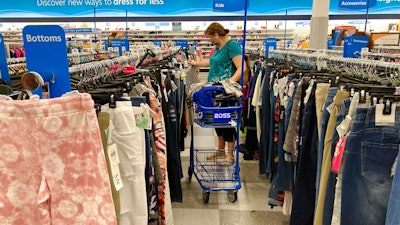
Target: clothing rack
84	57
97	65
318	59
9	45
387	73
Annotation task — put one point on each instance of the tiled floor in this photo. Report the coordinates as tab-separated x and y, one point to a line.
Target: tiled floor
251	207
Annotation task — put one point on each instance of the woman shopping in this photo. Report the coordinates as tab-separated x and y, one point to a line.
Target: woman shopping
225	63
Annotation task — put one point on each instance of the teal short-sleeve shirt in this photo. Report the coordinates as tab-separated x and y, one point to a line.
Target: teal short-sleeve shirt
221	66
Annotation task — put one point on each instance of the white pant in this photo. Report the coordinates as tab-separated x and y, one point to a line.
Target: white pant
130	142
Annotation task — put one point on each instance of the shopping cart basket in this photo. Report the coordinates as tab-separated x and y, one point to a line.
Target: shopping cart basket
222	111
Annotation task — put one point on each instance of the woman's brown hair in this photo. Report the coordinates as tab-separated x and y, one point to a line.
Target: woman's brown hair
216	28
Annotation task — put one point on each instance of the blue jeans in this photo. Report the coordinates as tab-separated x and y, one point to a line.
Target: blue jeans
304	189
265	122
284	174
285	171
392	215
370	153
174	165
331	186
270	151
324	123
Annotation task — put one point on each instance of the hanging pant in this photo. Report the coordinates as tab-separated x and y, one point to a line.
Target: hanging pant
104	121
304	189
327	157
52	164
130	144
371	151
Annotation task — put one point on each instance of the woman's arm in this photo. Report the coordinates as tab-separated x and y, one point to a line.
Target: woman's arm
202	63
237	60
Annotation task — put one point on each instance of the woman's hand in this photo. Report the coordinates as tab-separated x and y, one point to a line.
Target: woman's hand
193	63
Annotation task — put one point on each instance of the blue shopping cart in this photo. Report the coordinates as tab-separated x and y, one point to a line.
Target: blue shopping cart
214	109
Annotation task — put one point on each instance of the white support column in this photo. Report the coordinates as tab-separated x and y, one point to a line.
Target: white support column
319	24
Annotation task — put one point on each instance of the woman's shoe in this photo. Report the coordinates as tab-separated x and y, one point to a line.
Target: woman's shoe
215	155
229	160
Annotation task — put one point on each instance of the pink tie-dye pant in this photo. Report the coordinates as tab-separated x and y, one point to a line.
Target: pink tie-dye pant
52	165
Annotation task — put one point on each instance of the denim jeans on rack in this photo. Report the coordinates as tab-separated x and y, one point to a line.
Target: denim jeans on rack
392	215
304	188
265	121
272	123
174	166
331	185
285	170
180	98
370	153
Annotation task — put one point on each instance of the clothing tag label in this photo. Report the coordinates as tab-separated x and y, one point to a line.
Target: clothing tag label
393	172
329	108
281	113
384	120
113	154
114	161
143	123
165	94
117	177
107	132
173	86
344	126
149	124
337	157
275	90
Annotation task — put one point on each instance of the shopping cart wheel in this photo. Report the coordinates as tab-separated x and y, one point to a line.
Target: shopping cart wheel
206	196
232	196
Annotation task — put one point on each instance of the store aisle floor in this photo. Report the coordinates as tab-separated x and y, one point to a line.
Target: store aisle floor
251	208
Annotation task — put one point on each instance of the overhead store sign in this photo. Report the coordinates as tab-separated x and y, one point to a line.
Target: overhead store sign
174	8
82	30
356	4
148	8
359	6
227	5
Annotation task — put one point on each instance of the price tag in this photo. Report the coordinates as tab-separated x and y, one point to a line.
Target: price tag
141	122
113	154
338	155
384	120
114	161
116	175
394	166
